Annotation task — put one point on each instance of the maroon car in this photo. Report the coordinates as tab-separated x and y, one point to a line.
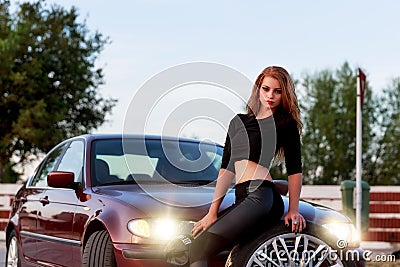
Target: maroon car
114	200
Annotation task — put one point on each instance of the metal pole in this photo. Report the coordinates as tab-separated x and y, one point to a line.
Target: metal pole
358	156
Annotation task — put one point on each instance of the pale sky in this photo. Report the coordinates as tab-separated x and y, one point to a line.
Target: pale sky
149	37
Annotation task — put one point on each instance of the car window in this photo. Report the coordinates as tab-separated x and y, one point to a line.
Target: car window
155	161
40	179
72	161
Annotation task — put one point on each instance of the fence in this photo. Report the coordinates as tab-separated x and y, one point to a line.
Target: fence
7	192
384	219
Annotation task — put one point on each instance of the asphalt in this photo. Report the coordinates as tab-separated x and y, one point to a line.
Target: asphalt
2	253
380	249
2	249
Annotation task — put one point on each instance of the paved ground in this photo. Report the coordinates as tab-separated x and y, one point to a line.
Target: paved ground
2	249
2	253
380	251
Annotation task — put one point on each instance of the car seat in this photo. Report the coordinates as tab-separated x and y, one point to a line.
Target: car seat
102	173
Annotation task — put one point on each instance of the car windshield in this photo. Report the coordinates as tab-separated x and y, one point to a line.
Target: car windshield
120	161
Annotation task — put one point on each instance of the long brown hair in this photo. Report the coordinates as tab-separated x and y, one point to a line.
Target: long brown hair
289	99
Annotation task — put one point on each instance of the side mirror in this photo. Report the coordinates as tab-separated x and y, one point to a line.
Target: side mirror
61	180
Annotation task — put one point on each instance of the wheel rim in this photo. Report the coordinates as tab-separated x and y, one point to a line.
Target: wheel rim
294	250
12	255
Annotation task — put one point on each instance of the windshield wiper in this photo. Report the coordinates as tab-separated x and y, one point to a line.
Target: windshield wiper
119	182
196	182
137	182
187	182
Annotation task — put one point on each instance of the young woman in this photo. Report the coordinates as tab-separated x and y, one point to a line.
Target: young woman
269	131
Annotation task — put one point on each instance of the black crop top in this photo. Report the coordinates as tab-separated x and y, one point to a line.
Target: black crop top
259	140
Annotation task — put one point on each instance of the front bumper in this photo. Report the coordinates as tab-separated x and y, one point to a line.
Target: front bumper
144	254
134	255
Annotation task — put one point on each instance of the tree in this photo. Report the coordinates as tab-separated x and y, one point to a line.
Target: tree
48	79
384	167
328	104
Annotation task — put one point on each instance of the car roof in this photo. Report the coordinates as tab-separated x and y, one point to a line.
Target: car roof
102	136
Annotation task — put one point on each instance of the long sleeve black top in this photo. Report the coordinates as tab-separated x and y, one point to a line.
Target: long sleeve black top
258	140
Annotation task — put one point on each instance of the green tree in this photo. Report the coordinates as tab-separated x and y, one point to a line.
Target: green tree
328	103
384	166
48	79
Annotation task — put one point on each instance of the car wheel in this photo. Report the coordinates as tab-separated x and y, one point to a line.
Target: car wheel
12	259
98	251
281	247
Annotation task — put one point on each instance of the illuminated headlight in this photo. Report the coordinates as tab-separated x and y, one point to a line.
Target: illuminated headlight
346	234
160	229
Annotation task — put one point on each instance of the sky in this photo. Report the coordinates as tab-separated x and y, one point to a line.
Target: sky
150	38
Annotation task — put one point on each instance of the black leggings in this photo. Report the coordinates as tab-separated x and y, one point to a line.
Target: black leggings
257	205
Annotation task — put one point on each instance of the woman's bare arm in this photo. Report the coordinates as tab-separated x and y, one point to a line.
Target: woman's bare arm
295	183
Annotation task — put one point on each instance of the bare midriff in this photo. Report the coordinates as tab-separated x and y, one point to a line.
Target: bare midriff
249	170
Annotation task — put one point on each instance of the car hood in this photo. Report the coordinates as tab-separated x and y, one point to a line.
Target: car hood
155	200
193	202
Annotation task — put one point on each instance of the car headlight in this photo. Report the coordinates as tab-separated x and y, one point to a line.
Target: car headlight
346	234
162	229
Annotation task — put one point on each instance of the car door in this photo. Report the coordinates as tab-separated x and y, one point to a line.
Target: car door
31	204
57	214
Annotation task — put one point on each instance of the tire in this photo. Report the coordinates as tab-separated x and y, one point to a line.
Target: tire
262	251
12	255
99	251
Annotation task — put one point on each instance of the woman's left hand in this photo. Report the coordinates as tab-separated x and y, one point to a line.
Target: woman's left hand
298	222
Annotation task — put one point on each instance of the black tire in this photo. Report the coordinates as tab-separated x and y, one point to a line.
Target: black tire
98	251
12	255
243	255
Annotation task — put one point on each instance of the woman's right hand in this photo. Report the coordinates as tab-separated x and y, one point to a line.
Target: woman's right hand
204	223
